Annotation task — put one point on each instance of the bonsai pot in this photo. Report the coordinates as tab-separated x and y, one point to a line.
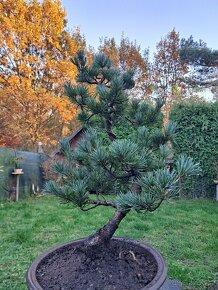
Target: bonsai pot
123	264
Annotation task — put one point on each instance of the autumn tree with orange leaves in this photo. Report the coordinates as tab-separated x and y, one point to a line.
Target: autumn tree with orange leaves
127	55
35	51
168	72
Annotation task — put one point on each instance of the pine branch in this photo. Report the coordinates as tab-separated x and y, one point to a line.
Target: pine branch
156	206
132	173
98	203
131	122
108	126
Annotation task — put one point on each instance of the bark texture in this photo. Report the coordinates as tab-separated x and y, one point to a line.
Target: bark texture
103	235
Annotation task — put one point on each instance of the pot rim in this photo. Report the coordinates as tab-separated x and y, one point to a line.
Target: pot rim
155	284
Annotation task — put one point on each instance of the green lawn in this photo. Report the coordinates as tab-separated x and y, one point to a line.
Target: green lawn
185	232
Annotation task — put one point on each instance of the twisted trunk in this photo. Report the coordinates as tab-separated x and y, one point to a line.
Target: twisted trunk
108	126
103	235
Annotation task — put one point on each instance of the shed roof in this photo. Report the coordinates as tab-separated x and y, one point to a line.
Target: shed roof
73	137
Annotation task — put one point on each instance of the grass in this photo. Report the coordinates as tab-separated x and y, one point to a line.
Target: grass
185	232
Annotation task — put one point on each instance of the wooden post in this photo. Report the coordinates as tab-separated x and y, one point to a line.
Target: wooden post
17	173
17	187
217	192
216	183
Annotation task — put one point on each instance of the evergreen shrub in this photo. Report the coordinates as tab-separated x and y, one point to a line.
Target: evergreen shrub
132	165
197	136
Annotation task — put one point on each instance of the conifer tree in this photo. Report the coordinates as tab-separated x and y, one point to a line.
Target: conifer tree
203	62
133	170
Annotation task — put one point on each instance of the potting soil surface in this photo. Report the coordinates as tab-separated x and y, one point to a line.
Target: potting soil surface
115	267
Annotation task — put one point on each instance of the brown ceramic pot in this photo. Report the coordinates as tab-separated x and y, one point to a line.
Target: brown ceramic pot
155	284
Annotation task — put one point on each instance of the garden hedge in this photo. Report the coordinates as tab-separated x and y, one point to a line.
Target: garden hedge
197	136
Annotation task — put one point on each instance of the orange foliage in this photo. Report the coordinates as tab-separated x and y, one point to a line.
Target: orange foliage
35	51
125	56
168	71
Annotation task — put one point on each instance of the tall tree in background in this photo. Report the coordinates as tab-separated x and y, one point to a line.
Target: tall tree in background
7	129
203	62
168	71
127	55
35	51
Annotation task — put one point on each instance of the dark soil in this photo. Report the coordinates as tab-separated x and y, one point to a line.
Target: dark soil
116	267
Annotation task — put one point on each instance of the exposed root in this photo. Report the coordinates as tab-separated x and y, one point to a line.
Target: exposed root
133	255
126	254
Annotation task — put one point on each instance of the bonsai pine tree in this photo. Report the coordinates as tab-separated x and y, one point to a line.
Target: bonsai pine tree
134	170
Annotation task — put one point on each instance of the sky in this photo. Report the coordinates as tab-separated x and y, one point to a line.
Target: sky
145	21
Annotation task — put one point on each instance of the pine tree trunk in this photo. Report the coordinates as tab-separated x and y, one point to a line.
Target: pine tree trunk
103	235
108	126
